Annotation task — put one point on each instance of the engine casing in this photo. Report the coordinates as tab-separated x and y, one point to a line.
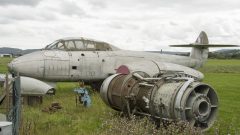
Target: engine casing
165	97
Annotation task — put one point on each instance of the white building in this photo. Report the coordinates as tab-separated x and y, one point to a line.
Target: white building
6	55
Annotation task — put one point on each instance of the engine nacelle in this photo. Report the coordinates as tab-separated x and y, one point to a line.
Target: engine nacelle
166	97
31	86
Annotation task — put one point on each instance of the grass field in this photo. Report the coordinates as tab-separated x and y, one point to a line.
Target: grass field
223	75
3	64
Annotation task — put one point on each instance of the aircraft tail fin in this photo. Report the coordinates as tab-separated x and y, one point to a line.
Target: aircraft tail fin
200	47
200	50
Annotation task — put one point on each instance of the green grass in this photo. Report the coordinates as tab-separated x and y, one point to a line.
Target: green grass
222	75
3	64
221	66
228	90
71	119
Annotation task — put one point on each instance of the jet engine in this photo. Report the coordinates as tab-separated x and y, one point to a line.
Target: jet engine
167	97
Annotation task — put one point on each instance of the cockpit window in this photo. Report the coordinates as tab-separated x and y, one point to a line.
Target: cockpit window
50	46
60	46
90	45
70	45
80	45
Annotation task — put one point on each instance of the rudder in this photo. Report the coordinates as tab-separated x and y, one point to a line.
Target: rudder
200	53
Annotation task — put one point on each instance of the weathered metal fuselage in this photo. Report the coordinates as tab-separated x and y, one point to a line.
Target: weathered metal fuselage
57	65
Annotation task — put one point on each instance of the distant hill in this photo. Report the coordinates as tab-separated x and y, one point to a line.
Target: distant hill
8	50
225	54
29	51
16	51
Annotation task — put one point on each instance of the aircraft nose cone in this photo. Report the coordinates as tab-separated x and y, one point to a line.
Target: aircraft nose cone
10	67
30	65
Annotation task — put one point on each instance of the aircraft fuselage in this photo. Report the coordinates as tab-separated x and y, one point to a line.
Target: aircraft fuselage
57	65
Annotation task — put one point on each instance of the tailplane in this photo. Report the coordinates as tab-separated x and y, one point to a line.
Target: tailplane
200	47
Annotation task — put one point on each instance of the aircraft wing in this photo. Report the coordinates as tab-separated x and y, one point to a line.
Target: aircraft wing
155	68
203	45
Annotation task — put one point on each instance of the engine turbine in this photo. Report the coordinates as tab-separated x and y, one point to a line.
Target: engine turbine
168	97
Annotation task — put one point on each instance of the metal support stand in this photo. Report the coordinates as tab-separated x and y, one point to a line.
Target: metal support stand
7	90
16	101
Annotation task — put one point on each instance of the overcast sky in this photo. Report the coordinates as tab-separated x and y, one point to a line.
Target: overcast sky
128	24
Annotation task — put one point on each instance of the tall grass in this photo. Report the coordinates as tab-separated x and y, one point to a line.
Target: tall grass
145	126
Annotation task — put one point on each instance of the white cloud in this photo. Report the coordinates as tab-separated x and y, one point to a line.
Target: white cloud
19	2
135	24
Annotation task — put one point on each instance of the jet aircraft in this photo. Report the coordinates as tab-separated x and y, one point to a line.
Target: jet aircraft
157	85
74	59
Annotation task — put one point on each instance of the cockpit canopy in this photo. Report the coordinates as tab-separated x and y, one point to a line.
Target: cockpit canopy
80	44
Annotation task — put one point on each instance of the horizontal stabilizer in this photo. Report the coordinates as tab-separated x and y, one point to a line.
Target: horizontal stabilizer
200	48
196	45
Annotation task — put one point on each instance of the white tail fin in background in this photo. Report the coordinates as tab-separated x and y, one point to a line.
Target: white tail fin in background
200	53
200	48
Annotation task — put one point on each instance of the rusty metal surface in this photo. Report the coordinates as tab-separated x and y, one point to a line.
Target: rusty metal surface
177	98
114	93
